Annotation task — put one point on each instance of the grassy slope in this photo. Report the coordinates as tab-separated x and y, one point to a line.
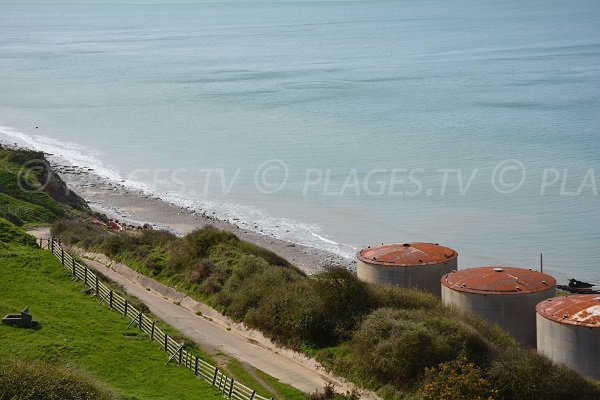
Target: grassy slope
22	184
75	331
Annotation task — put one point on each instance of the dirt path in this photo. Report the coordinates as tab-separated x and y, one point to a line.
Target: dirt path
217	335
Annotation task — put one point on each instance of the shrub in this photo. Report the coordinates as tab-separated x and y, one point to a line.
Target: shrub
345	299
246	290
200	271
406	299
329	393
213	283
26	380
292	315
458	379
202	240
395	346
523	374
315	312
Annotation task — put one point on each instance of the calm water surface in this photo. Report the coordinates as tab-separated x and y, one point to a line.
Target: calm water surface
470	123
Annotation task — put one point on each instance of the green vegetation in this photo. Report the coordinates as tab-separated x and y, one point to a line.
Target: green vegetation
12	235
330	394
401	343
35	380
266	385
385	339
458	379
30	193
75	332
280	390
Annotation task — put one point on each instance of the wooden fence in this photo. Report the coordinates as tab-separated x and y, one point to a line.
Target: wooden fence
227	386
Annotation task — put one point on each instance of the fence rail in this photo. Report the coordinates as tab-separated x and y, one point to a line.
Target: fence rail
228	387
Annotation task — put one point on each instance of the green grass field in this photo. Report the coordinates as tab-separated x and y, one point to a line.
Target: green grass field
74	331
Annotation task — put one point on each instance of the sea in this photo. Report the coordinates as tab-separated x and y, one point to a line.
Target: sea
335	124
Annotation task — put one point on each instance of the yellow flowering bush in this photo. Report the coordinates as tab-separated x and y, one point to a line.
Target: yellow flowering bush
459	379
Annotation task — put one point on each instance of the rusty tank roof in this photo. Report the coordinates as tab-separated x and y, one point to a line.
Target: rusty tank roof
407	254
579	309
498	280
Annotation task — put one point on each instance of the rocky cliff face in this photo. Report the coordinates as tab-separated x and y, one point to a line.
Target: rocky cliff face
50	182
57	189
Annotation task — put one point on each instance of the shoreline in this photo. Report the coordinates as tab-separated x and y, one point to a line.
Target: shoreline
136	207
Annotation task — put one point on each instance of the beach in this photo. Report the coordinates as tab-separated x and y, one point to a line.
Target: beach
137	208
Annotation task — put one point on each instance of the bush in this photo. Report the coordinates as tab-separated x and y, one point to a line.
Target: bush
26	380
329	393
458	379
406	299
200	271
523	374
395	346
345	299
77	233
316	312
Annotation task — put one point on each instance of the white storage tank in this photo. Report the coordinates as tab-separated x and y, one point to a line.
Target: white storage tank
407	265
568	332
501	295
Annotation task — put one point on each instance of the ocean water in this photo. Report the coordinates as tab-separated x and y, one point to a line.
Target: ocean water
474	124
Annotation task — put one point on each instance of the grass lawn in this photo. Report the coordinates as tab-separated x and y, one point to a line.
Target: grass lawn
75	331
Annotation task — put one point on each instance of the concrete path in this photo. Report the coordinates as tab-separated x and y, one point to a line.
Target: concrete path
218	334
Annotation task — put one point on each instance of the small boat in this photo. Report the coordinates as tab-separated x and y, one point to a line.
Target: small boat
575	284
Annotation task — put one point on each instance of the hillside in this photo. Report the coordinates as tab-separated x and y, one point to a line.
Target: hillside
31	193
397	342
76	334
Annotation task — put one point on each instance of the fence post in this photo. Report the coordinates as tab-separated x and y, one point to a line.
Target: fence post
110	299
180	354
52	244
220	383
62	256
97	288
140	320
215	376
73	267
166	338
231	388
196	367
125	310
253	394
152	332
84	274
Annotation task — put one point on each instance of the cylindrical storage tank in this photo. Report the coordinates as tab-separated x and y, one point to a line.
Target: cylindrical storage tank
568	332
407	265
500	295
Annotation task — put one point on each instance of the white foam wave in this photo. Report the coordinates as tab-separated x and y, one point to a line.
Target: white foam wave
245	217
67	153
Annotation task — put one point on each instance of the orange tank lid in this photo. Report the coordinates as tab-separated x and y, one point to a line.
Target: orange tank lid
407	254
579	309
498	280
